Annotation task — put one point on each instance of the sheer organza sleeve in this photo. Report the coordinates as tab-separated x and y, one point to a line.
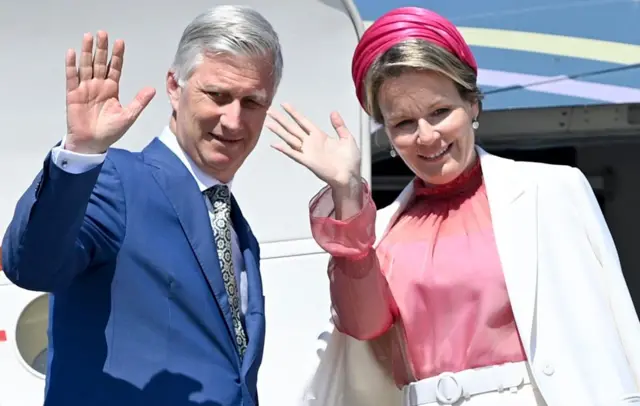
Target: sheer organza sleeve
362	303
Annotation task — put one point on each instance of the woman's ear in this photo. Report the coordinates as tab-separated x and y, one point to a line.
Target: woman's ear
475	110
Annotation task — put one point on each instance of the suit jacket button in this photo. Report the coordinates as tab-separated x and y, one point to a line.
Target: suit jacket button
548	370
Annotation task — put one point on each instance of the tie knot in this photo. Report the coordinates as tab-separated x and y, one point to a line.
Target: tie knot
219	195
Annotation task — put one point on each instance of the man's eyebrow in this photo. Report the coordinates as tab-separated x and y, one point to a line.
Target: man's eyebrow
214	89
258	95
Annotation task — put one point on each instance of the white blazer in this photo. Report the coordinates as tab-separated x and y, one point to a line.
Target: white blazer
573	310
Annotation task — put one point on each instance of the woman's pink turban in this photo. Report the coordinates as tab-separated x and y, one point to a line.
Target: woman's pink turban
401	24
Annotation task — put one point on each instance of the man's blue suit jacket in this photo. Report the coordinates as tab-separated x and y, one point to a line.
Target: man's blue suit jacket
138	313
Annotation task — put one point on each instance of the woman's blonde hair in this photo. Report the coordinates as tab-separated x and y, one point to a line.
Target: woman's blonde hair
418	55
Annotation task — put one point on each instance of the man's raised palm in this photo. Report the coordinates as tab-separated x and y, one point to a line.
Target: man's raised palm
95	117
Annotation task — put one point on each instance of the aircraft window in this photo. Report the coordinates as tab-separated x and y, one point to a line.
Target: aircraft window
31	334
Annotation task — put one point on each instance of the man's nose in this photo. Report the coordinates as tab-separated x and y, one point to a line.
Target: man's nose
231	116
427	134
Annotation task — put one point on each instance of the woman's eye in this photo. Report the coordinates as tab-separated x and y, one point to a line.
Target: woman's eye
440	112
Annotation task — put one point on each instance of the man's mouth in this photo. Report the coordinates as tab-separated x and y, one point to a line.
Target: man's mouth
225	140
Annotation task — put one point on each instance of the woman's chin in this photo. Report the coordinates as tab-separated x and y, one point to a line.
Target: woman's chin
445	172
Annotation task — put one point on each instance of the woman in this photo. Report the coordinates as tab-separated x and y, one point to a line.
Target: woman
488	281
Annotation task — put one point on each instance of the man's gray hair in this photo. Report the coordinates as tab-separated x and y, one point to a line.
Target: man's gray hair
235	30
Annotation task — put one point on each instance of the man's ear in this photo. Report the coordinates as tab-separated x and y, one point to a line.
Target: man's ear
174	91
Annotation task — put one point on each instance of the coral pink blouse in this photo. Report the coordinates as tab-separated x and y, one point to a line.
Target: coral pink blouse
436	274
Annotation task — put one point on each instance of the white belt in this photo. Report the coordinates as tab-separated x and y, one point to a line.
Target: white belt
448	388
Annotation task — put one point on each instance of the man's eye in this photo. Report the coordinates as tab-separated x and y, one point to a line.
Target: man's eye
252	104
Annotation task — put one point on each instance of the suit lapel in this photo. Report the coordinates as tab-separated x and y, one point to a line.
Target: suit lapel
187	201
512	202
254	317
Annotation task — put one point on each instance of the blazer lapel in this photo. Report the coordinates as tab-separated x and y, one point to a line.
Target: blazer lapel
187	201
254	317
512	202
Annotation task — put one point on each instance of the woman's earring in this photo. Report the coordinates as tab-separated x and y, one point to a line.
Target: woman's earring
475	124
393	153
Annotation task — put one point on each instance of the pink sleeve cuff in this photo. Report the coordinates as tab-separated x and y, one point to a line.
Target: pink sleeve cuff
351	238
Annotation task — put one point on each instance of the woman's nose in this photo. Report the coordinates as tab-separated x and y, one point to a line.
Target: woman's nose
427	134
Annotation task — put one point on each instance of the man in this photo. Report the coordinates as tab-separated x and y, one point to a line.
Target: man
156	294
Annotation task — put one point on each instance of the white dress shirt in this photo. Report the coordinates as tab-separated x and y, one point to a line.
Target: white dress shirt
75	163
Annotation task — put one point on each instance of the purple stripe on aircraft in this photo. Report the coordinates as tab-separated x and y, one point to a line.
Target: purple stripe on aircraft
559	85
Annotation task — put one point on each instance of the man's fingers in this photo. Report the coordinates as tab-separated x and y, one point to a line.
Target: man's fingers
70	70
301	120
338	124
101	55
139	103
287	125
114	70
292	141
86	58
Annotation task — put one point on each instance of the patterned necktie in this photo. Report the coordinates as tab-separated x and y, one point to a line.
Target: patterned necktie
220	199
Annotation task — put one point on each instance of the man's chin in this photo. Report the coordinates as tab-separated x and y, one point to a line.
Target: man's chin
219	163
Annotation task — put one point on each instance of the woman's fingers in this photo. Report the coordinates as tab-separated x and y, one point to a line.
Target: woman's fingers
287	125
338	124
290	152
301	120
292	141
